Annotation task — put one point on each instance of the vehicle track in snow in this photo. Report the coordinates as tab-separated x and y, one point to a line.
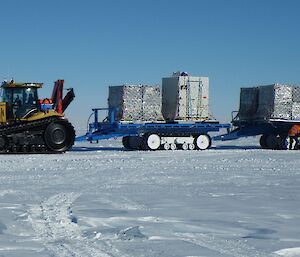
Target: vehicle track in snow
232	248
57	228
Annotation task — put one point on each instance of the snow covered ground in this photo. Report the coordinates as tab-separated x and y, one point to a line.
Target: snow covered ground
233	200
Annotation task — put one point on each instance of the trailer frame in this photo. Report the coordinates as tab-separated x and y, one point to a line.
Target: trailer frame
110	128
274	132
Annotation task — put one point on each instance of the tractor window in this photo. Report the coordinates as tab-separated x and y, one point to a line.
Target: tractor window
24	100
6	95
30	96
17	97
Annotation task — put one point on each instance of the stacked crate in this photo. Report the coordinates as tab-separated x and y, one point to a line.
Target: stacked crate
296	104
134	103
274	101
185	97
151	107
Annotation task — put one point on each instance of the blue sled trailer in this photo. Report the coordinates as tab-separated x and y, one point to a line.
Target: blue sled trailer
152	135
275	134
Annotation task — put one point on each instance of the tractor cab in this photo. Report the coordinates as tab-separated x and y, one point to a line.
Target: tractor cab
20	99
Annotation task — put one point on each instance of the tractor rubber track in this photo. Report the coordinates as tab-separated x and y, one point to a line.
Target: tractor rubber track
33	131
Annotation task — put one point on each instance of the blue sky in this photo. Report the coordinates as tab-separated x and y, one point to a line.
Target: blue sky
92	44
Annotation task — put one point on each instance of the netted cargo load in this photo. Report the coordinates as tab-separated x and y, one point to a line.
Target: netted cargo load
296	111
135	103
274	101
185	97
152	103
296	94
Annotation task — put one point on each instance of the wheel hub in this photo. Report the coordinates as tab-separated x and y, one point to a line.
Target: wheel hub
58	136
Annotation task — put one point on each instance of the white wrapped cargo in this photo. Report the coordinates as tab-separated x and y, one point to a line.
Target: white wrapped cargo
296	94
185	97
296	111
151	107
274	101
135	103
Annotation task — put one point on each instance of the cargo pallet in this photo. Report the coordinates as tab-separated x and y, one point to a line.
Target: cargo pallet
275	133
152	135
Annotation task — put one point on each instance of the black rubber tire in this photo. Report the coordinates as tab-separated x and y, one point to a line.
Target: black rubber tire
262	142
59	136
135	142
272	142
125	142
144	145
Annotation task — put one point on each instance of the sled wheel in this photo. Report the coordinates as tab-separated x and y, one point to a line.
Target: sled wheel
173	146
153	141
191	146
185	146
167	146
203	142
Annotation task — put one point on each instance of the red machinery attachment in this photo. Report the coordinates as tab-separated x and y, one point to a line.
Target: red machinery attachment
60	103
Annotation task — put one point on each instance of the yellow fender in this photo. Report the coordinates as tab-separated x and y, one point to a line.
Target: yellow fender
43	115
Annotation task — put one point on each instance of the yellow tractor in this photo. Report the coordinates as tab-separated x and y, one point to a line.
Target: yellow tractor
30	124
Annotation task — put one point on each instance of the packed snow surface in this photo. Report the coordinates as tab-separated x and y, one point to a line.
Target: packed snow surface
234	200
